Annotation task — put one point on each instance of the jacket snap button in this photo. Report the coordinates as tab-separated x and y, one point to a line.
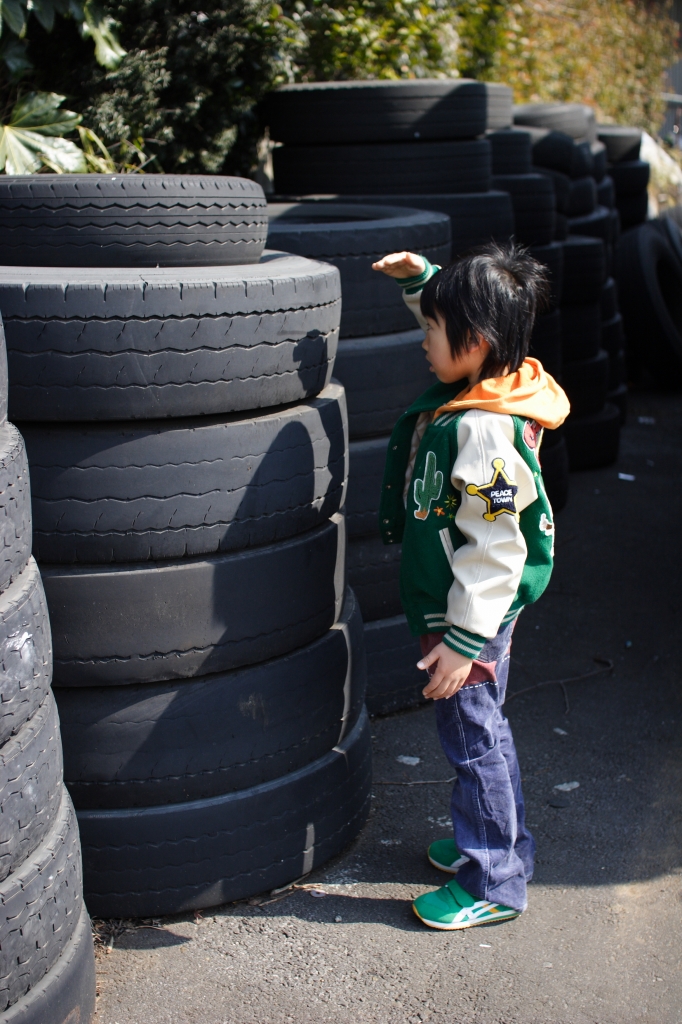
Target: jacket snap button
395	447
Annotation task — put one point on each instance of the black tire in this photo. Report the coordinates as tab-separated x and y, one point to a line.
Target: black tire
475	217
3	374
609	300
30	786
561	229
545	342
554	461
119	492
633	210
142	746
500	105
584	270
599	161
613	335
650	293
598	224
352	238
582	197
593	441
511	151
145	622
382	376
630	177
586	382
374	568
581	330
534	206
15	505
617	371
42	902
562	186
574	119
383	167
142	862
66	994
320	113
25	651
131	220
393	680
620	398
555	151
606	192
552	258
621	143
616	225
672	231
366	462
124	344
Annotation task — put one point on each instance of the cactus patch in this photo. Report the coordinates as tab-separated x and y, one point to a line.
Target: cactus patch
428	488
499	495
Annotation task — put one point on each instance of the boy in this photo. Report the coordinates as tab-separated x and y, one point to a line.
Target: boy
463	492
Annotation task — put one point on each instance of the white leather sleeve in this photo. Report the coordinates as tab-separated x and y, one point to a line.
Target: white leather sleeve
412	302
487	569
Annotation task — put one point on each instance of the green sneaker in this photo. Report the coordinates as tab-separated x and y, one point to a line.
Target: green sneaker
451	908
445	856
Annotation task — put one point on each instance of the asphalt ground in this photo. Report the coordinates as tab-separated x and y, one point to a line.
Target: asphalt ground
601	941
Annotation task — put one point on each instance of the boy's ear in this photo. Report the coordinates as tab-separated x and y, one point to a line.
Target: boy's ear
477	341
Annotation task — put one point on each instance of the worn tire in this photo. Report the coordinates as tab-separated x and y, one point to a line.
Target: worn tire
352	238
584	270
130	220
500	105
593	441
552	258
586	382
30	786
323	113
598	224
366	462
633	210
383	168
374	568
88	344
66	994
600	164
382	376
562	186
574	119
620	398
15	506
141	862
630	177
152	744
621	143
145	622
119	492
582	196
609	299
581	331
613	335
25	651
545	342
606	192
534	205
393	680
555	469
41	902
511	151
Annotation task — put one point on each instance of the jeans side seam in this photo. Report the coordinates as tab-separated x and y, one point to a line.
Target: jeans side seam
481	821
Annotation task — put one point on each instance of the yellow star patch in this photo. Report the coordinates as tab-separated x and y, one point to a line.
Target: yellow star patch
499	495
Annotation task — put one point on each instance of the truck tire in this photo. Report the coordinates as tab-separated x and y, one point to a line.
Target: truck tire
374	568
366	460
25	651
30	786
534	205
584	270
136	492
582	196
621	143
545	342
613	335
382	376
609	299
146	622
500	104
130	220
552	258
511	151
633	209
382	168
323	113
394	681
630	177
42	902
586	382
153	744
574	119
606	192
598	224
600	164
140	862
562	186
15	506
88	344
581	331
352	238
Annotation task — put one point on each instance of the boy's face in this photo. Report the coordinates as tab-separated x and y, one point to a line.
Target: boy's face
449	368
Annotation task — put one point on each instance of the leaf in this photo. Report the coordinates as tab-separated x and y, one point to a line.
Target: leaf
23	152
63	156
14	13
101	29
44	11
39	111
16	59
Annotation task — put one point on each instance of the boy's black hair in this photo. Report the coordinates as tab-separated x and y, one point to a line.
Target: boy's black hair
494	291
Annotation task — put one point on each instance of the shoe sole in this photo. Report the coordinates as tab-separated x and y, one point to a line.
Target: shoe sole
451	869
458	927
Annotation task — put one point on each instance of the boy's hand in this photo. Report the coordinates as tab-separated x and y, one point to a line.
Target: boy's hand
401	264
450	674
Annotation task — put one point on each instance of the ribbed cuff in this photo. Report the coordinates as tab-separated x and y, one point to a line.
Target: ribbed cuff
464	642
412	285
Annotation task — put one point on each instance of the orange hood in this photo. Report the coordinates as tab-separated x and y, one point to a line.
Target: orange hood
529	392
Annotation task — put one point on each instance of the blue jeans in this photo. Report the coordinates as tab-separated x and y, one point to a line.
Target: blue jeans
488	815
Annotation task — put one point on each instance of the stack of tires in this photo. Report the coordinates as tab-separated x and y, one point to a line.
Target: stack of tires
189	454
565	148
48	966
381	364
629	174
